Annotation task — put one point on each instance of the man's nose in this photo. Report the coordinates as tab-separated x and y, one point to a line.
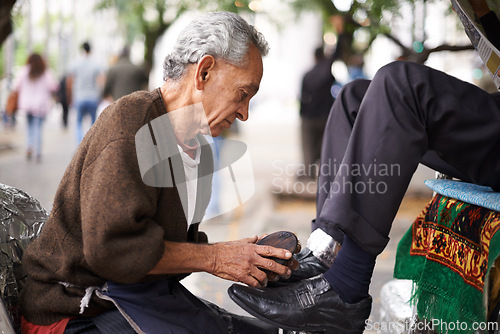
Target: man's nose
242	113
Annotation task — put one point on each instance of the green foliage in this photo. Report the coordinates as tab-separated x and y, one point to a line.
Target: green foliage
375	18
377	7
149	19
494	5
20	53
146	16
135	17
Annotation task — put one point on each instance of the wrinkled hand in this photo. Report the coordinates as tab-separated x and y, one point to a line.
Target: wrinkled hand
293	264
244	261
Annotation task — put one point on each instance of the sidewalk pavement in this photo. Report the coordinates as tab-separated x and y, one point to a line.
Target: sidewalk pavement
39	179
273	143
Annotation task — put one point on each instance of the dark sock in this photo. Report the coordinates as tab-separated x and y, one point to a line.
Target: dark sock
351	272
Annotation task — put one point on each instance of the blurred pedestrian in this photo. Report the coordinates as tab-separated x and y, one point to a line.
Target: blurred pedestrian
124	77
355	67
35	85
63	99
317	98
85	78
315	103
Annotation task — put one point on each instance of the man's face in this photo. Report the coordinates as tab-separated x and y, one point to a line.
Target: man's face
227	94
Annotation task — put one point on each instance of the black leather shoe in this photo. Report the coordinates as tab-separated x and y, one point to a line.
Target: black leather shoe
308	305
309	266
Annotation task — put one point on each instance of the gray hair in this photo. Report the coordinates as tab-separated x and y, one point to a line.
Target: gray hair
222	35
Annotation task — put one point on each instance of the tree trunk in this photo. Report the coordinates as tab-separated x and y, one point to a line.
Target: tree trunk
151	37
5	19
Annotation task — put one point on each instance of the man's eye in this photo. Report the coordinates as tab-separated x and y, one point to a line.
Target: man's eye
243	95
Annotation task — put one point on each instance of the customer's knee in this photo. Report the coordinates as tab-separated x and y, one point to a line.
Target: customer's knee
399	72
354	90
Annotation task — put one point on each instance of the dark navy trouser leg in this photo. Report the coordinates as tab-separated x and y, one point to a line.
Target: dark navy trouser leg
379	131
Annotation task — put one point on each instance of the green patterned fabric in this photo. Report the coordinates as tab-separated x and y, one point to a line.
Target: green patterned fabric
448	252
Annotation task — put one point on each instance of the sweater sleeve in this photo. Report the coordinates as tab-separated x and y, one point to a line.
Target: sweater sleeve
121	240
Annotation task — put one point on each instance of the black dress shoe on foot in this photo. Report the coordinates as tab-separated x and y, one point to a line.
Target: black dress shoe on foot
308	305
309	266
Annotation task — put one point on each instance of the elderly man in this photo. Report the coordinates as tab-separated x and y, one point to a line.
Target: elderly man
124	227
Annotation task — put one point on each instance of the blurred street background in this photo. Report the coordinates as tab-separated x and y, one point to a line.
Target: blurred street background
378	32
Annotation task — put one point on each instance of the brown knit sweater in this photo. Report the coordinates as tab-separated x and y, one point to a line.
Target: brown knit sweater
106	224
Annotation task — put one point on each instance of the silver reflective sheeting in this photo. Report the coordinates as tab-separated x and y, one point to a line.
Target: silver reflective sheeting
21	219
396	313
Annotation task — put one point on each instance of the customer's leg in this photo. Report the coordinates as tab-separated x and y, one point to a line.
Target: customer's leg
386	145
376	194
407	110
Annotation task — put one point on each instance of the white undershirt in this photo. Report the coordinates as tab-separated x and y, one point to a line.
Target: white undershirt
191	172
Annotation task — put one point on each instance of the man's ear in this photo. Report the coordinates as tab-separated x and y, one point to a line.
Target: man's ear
203	71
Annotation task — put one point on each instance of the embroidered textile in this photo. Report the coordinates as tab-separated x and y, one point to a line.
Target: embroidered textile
447	253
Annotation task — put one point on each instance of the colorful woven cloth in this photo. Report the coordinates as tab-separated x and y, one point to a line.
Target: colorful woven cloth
448	252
